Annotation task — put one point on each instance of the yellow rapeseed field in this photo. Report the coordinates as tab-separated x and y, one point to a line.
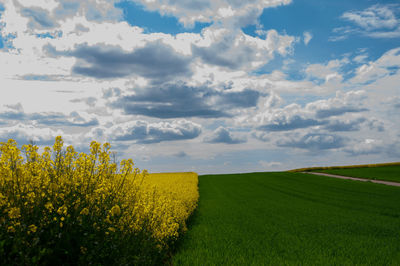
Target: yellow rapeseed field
172	198
343	167
63	207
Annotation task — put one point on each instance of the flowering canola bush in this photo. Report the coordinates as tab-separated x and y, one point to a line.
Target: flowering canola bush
61	207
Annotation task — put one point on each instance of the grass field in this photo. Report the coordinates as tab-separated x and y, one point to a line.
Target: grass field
388	173
292	219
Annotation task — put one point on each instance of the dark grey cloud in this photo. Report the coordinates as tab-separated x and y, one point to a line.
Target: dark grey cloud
313	141
67	8
111	92
50	50
245	98
12	112
170	102
217	54
335	111
143	132
290	123
58	119
322	114
12	115
39	18
181	154
16	112
376	124
261	135
350	125
157	134
81	28
222	135
212	56
73	119
90	101
156	61
180	100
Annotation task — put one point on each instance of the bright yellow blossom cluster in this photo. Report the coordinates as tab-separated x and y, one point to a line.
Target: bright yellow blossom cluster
59	206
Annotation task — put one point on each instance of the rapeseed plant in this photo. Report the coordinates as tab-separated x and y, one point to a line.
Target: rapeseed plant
61	207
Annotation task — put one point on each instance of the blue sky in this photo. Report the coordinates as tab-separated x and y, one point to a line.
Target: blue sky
208	86
320	18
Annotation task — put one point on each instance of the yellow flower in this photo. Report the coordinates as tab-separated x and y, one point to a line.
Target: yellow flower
49	206
11	229
85	211
62	210
31	196
58	144
115	210
2	200
32	228
14	213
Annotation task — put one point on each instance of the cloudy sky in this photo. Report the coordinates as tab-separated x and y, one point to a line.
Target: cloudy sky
212	86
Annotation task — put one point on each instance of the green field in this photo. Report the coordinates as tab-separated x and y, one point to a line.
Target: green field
292	219
388	173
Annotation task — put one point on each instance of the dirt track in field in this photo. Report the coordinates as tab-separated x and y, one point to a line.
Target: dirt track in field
356	178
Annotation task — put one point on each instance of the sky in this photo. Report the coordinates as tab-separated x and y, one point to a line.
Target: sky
221	86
